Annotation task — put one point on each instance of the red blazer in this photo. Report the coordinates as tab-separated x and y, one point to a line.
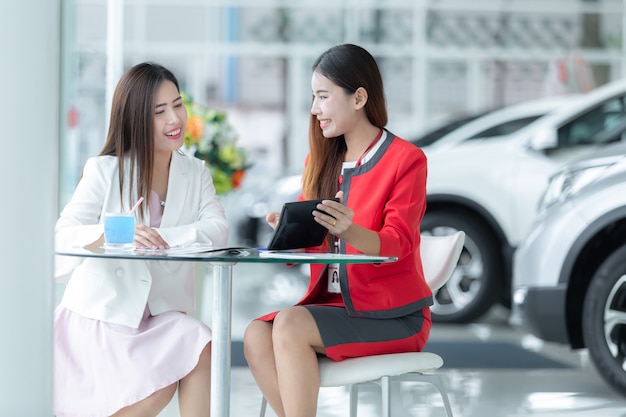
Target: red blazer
388	195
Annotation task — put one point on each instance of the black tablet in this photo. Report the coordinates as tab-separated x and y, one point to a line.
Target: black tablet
297	227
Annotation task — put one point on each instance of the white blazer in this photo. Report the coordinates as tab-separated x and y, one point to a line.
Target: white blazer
115	290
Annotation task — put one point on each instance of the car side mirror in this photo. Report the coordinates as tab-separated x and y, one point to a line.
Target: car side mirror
543	139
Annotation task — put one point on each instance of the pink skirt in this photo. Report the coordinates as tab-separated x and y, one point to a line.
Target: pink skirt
100	367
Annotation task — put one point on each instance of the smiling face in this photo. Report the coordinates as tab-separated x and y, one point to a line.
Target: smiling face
170	118
335	110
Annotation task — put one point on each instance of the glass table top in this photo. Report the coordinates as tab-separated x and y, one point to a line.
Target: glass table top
198	253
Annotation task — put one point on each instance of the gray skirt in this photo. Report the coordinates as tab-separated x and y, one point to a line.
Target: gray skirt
345	336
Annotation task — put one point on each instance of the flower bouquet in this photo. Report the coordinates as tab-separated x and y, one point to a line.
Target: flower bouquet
210	137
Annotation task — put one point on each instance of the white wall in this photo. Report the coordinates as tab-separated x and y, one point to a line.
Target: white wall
29	120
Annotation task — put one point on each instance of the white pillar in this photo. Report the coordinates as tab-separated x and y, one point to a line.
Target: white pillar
297	117
623	61
29	114
115	50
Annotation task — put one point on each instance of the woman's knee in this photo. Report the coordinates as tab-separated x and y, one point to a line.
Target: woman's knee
294	324
257	339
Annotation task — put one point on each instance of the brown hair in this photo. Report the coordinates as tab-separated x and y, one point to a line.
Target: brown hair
131	128
349	67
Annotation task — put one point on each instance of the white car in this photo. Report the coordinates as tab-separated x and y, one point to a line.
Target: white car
569	281
259	199
500	122
490	189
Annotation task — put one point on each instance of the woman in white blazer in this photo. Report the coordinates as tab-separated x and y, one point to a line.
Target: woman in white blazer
123	341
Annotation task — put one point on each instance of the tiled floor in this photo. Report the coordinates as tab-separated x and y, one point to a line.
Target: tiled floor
538	380
575	391
490	393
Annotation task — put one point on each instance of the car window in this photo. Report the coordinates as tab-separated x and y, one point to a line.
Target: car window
603	124
434	135
505	128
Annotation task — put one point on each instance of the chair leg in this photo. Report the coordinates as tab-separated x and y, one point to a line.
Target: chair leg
385	392
434	380
438	383
354	399
263	407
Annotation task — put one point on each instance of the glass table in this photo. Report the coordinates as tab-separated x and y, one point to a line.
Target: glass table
223	261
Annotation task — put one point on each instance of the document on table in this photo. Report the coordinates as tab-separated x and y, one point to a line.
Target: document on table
285	254
180	249
190	249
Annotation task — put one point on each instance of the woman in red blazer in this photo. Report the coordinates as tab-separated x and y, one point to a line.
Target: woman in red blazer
380	180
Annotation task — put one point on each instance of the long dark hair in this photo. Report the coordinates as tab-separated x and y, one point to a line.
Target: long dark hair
349	67
131	128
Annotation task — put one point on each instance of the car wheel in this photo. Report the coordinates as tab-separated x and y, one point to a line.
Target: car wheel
604	320
475	284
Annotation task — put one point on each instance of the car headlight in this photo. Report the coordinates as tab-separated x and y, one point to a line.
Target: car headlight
568	182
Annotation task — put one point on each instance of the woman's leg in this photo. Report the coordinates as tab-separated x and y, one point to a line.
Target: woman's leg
194	390
150	406
259	352
297	341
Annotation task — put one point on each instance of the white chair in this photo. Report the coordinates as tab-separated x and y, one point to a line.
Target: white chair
439	258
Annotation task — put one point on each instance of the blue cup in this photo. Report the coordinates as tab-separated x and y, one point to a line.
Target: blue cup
119	230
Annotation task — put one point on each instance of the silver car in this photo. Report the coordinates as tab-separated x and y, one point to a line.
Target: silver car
569	278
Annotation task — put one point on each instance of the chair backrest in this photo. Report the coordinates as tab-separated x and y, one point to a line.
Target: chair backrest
440	255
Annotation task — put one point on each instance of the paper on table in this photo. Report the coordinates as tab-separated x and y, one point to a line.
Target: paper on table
285	255
179	249
189	249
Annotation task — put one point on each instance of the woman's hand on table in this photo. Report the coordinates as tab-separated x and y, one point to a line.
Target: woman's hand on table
147	237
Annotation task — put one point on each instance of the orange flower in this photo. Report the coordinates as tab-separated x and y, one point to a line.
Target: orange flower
195	128
237	178
213	140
